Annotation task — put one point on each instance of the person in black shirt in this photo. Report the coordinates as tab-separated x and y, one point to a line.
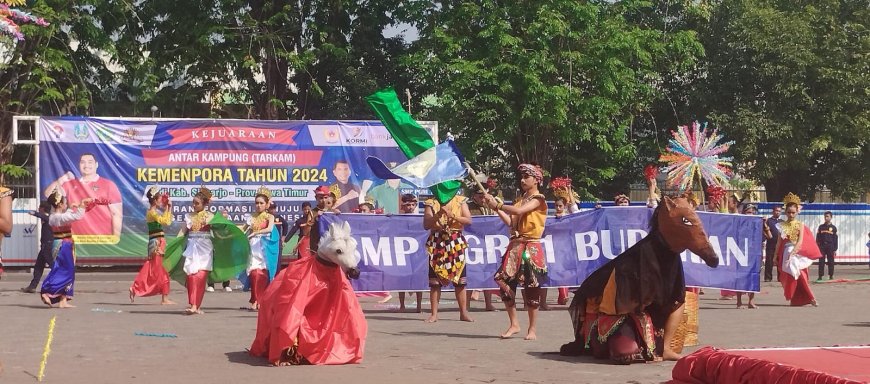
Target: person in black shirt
772	236
43	258
826	238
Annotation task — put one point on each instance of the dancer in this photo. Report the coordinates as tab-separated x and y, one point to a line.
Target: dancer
565	204
152	278
524	262
796	251
264	238
46	238
309	314
58	285
213	249
624	306
446	248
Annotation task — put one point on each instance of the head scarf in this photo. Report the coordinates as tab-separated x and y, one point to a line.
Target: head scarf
531	170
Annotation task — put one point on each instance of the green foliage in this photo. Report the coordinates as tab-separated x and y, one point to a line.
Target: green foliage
556	82
13	171
790	81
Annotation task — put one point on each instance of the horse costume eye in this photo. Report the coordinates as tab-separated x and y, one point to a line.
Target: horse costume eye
338	251
687	222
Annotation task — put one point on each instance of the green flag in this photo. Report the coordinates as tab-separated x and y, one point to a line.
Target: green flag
411	138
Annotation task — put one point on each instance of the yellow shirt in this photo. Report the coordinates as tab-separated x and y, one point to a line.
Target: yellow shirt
530	225
454	206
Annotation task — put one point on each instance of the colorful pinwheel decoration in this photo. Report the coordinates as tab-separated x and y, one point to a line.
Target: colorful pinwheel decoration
694	153
10	18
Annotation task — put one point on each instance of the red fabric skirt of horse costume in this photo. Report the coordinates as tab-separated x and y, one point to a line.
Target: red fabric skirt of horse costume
309	314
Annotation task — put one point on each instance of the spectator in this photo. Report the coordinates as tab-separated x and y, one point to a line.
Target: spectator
826	238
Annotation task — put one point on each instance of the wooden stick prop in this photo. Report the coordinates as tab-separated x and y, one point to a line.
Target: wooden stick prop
474	177
47	348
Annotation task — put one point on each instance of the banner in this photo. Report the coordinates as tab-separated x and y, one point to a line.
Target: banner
393	253
116	161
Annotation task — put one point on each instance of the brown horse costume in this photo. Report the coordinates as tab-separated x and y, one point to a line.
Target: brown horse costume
626	308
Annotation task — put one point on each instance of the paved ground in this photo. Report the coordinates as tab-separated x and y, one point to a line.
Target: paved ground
95	343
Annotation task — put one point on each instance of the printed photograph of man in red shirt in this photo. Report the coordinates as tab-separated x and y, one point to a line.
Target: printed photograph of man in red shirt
102	221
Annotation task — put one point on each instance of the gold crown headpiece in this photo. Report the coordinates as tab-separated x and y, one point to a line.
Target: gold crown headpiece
791	198
264	191
204	192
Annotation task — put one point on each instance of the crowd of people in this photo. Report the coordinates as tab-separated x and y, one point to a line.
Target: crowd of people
210	249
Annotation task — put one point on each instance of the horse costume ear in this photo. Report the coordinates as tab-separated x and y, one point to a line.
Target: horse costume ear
669	203
346	228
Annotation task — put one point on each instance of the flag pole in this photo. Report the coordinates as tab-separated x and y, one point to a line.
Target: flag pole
474	177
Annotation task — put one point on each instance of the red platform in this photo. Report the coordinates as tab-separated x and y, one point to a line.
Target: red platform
821	365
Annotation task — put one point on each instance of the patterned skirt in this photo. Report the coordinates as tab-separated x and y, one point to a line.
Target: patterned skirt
447	256
524	264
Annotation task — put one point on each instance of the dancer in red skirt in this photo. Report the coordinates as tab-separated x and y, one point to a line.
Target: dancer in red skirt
152	278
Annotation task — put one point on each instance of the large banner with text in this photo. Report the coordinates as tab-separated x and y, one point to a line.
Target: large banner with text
393	252
116	161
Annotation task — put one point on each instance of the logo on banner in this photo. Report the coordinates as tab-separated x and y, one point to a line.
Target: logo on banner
80	131
331	135
131	135
58	130
28	231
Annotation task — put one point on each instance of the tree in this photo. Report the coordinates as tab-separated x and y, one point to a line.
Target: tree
56	69
789	80
304	59
556	82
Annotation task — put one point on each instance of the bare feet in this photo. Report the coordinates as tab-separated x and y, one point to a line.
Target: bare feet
814	303
46	299
167	302
670	355
491	308
432	319
386	299
466	318
531	335
192	311
65	304
512	330
752	306
132	296
739	305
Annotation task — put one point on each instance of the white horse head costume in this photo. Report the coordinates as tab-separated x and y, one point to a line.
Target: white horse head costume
337	247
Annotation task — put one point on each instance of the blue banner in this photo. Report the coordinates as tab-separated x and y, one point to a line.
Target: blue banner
393	253
114	161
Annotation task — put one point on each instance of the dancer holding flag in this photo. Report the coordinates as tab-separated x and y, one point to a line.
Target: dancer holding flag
152	278
524	262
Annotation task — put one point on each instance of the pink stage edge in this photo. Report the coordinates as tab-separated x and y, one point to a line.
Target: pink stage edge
820	365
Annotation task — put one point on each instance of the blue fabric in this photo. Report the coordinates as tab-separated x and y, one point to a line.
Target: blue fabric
61	279
270	251
434	166
393	248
